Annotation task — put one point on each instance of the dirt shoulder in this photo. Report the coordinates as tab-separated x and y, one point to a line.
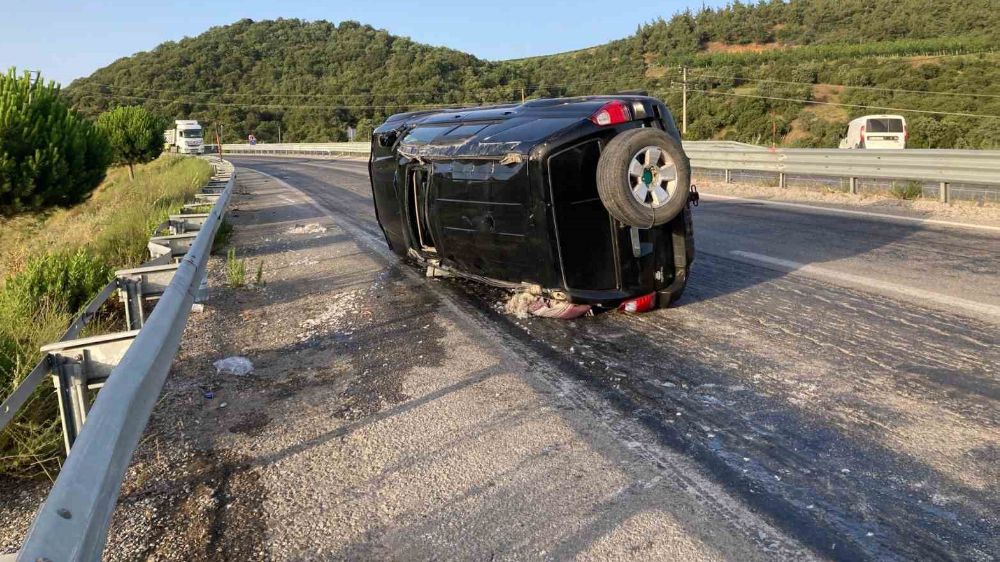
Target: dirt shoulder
958	211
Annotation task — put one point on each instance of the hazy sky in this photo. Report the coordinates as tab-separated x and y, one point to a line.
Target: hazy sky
67	40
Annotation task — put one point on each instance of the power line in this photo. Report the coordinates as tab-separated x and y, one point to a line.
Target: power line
458	105
875	88
267	95
854	105
514	88
275	106
887	56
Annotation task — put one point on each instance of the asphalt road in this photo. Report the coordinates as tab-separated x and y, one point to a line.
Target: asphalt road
838	374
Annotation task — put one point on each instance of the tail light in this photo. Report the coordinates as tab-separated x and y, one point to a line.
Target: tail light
612	113
862	130
906	133
645	303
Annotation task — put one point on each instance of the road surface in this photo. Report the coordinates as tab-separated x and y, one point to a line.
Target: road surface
861	419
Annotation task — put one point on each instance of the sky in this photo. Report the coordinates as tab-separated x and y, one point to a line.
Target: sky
67	40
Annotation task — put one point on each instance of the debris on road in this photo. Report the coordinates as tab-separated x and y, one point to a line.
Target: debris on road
238	366
340	306
311	228
433	271
524	303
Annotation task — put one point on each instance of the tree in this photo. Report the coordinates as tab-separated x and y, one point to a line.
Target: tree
135	135
49	155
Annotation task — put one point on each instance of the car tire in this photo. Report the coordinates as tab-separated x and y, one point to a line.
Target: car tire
636	170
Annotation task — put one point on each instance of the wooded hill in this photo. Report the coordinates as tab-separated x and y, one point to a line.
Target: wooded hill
791	73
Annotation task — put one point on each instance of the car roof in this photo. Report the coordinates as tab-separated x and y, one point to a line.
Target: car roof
885	116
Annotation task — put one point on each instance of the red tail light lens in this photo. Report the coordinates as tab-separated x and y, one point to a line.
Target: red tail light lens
612	113
645	303
906	134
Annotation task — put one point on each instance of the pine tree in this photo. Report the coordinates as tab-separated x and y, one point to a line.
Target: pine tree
135	136
49	155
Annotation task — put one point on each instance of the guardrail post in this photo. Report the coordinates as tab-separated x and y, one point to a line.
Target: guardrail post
854	186
71	389
944	193
729	176
201	296
77	366
781	179
132	298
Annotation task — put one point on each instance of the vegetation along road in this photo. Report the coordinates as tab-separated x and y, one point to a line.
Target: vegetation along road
860	420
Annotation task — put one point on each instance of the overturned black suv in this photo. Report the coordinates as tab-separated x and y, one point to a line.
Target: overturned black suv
579	199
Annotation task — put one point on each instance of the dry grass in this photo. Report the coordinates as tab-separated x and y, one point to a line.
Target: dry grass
28	235
826	93
720	47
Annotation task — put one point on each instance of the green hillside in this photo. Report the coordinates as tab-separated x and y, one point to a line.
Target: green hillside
791	73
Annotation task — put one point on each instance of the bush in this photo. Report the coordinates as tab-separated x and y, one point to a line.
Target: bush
64	281
134	134
49	155
906	190
236	270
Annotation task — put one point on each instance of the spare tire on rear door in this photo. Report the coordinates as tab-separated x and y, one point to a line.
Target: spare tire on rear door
644	177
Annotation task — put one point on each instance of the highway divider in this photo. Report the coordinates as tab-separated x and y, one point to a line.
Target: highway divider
302	149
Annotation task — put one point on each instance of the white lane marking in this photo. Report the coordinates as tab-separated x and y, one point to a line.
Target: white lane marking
883	286
835	210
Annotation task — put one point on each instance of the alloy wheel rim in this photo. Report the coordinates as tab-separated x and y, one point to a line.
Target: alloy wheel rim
652	177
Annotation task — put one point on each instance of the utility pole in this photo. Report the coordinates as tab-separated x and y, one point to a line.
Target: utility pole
684	104
279	132
522	94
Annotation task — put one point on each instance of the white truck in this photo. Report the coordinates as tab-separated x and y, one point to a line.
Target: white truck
185	137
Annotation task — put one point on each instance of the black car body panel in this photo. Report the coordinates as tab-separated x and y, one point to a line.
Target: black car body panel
507	194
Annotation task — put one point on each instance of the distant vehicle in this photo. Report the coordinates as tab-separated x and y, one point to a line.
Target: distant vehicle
876	131
584	200
185	138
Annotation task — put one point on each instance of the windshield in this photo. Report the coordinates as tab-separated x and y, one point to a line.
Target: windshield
884	126
190	133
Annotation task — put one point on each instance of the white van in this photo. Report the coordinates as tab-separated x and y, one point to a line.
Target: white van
876	131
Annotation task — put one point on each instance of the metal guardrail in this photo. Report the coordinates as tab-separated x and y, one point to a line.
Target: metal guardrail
301	149
129	368
942	167
981	167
